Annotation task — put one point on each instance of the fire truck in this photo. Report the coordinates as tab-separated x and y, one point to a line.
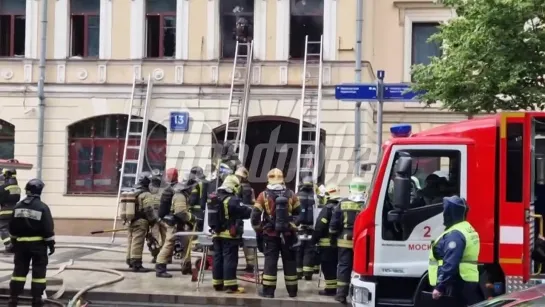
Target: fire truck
497	163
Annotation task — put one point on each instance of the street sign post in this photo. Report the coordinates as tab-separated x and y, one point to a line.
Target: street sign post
380	92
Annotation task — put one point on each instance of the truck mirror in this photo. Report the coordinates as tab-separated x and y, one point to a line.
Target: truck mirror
402	192
540	170
404	166
365	167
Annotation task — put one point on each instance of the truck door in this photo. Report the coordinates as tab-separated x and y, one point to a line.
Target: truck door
438	171
514	196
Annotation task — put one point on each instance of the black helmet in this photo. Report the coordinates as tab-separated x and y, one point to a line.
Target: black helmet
34	187
9	172
144	179
197	171
156	180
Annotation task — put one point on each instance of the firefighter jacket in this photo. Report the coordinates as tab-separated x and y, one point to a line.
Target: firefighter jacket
342	222
148	206
32	221
263	217
247	194
306	199
10	194
321	235
233	213
180	210
198	196
166	200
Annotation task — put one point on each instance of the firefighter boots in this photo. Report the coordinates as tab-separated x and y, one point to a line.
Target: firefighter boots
161	271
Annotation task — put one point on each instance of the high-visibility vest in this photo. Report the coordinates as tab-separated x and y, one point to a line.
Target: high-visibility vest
468	265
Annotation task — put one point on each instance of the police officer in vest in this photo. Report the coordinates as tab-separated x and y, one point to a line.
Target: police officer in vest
179	218
454	255
32	234
157	235
224	214
342	226
272	220
10	194
198	196
327	243
247	196
305	222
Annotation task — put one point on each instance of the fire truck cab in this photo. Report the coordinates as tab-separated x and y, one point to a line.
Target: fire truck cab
497	163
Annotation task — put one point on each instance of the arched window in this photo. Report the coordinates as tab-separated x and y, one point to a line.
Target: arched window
95	153
7	140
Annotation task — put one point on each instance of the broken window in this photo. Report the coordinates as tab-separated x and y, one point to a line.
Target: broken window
423	50
160	28
85	17
236	23
7	140
12	27
306	18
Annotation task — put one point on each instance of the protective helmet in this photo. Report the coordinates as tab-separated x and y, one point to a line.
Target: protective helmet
171	175
34	187
228	149
156	180
9	172
197	172
242	172
144	179
275	176
230	184
357	186
332	191
224	170
307	181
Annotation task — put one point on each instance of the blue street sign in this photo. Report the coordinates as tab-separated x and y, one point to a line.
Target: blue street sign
358	92
179	121
398	92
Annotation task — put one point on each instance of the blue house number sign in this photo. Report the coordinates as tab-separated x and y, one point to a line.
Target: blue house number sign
179	121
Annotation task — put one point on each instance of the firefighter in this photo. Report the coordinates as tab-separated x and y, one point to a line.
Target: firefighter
242	32
247	196
179	218
224	214
157	235
341	226
32	234
198	197
229	157
327	244
305	222
138	226
276	234
171	178
10	194
453	256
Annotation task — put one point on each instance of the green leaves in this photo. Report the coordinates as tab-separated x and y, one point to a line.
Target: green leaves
493	58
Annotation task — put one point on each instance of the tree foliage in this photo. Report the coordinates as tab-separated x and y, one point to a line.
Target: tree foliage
493	58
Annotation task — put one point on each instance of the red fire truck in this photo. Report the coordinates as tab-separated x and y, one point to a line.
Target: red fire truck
496	162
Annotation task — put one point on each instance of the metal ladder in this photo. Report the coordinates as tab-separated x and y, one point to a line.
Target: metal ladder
137	127
237	114
308	153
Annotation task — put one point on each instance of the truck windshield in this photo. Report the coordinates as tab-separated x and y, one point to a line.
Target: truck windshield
375	171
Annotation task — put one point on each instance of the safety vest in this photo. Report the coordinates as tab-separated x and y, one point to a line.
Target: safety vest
468	265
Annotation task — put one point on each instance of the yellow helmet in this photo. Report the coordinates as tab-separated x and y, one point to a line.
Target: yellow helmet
275	176
332	191
242	172
230	184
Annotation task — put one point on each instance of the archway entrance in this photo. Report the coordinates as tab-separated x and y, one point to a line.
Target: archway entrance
272	141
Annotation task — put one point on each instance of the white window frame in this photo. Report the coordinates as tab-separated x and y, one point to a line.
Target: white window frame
63	30
410	17
31	29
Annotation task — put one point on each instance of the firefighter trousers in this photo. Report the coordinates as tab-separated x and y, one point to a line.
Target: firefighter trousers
4	229
137	236
168	247
224	269
273	247
159	232
328	261
306	253
249	255
24	253
344	270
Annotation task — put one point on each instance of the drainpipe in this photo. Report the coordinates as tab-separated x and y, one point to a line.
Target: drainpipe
41	83
357	71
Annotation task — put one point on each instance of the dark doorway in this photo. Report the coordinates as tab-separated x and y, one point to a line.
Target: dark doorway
271	143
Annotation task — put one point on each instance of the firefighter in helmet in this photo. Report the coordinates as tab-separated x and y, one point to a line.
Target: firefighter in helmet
171	179
327	243
276	233
305	223
10	194
224	218
199	195
157	235
454	255
247	195
342	226
32	233
229	157
178	218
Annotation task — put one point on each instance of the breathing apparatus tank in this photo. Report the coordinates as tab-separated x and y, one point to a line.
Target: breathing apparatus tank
127	205
282	218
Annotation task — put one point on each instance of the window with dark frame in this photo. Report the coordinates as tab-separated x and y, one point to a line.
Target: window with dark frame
230	13
7	140
85	34
306	18
95	153
12	28
160	28
422	50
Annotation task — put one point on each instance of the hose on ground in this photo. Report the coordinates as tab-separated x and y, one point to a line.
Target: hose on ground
76	297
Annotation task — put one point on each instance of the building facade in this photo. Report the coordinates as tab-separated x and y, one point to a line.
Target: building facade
96	48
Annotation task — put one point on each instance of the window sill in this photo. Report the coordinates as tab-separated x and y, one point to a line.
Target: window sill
89	195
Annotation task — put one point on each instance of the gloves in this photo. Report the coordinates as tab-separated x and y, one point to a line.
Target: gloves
51	247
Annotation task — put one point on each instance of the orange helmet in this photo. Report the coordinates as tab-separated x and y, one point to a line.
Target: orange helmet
275	176
172	175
